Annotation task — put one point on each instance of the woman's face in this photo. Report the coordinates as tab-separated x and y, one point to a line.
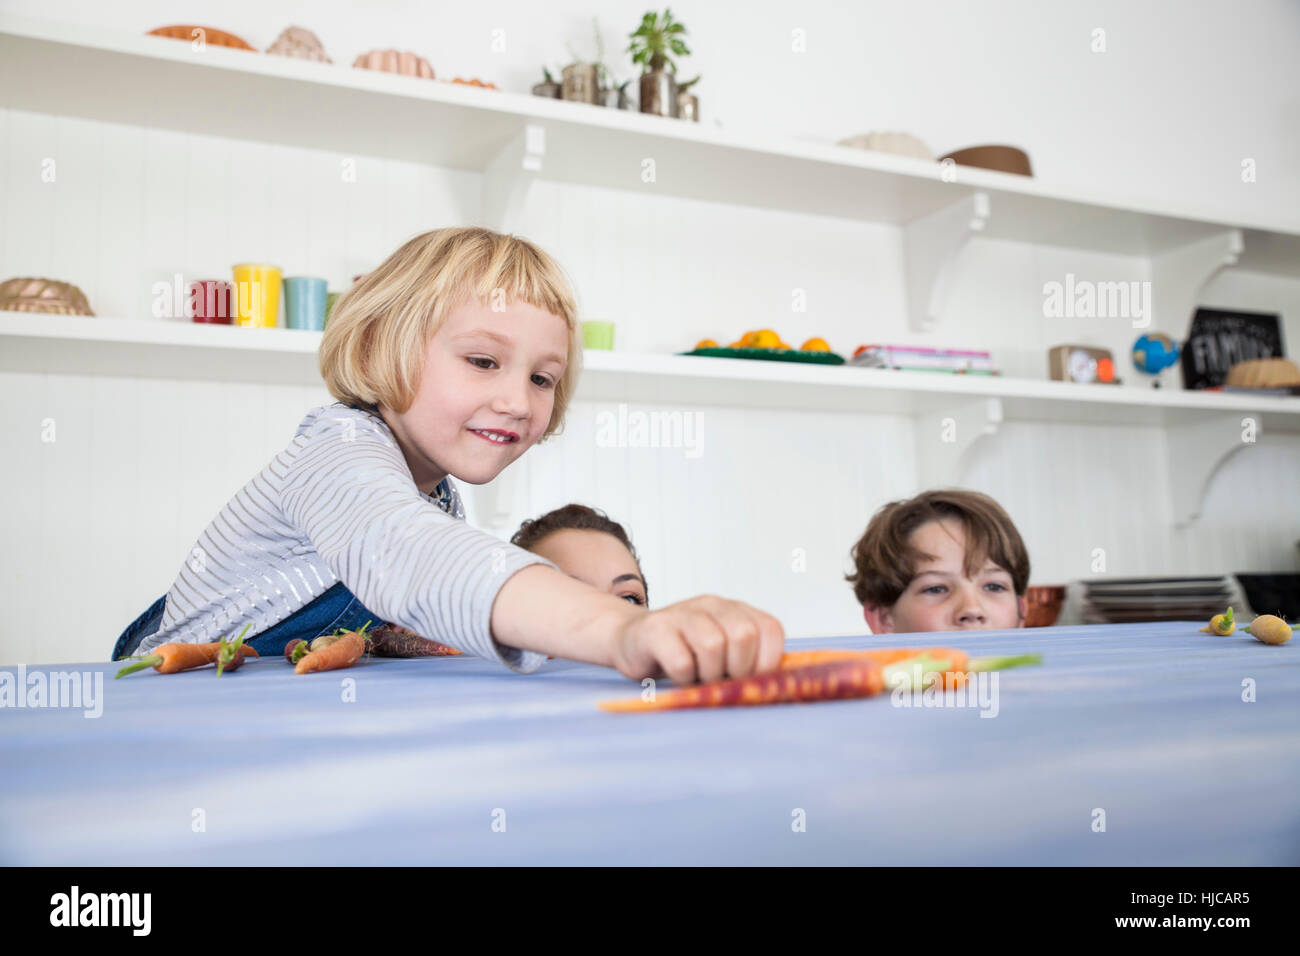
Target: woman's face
595	558
486	393
940	597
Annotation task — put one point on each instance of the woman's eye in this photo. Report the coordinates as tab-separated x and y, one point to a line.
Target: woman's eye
632	599
476	359
542	381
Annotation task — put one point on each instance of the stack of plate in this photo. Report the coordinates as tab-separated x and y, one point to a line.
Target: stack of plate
1124	600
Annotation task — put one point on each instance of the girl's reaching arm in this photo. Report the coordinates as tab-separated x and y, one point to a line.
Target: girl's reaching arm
705	638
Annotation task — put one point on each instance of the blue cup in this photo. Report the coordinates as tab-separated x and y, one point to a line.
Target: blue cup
304	303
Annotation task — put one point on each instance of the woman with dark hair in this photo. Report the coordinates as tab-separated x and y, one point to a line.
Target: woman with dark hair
585	544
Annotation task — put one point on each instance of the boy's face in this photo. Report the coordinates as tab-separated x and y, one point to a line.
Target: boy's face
596	558
485	373
941	598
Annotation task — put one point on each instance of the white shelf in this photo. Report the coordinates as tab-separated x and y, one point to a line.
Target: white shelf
162	83
164	348
1204	428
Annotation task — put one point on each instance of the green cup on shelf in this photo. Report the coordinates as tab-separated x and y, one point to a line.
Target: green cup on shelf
598	335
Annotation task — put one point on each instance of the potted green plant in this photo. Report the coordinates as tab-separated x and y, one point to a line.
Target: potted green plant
549	88
688	104
615	96
653	45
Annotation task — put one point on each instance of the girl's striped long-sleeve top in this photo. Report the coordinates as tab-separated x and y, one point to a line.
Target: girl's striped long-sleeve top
339	504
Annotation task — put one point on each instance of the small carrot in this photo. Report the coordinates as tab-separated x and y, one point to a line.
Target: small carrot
343	652
172	658
954	678
849	674
325	640
230	656
393	641
829	681
884	657
1221	624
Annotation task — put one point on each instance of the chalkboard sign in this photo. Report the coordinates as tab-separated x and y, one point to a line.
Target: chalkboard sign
1218	340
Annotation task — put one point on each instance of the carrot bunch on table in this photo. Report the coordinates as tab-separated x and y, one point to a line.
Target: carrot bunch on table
344	648
174	658
805	676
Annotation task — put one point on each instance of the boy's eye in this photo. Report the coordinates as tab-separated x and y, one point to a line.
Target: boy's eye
999	587
542	381
934	589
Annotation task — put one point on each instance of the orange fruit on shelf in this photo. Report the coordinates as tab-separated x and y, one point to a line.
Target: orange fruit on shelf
766	339
815	345
706	344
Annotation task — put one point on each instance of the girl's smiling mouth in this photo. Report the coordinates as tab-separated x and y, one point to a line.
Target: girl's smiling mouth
496	435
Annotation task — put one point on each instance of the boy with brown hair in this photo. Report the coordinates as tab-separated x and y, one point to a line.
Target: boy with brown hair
945	560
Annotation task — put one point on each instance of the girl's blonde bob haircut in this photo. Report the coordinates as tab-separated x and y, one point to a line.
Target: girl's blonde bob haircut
377	336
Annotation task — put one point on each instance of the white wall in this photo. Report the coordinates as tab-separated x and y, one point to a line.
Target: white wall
103	517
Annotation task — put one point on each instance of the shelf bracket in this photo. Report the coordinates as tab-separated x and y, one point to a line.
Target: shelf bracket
1178	276
945	433
931	245
1196	450
507	179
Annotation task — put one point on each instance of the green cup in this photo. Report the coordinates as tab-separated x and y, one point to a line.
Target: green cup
598	335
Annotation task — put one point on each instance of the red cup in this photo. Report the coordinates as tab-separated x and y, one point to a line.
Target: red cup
211	298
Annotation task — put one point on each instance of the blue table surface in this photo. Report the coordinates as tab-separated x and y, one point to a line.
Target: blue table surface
1144	721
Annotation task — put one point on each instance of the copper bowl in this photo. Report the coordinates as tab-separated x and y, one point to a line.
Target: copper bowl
210	35
1003	159
1044	601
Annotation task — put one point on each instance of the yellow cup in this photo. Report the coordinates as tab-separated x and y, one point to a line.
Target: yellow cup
256	295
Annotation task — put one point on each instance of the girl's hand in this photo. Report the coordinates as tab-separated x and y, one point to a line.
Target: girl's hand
704	638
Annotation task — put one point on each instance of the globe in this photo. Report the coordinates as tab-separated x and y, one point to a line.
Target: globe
1154	352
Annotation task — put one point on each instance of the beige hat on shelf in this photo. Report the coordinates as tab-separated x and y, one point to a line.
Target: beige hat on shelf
900	144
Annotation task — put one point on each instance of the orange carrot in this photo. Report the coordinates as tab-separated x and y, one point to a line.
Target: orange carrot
829	681
171	658
344	652
394	641
954	678
849	674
